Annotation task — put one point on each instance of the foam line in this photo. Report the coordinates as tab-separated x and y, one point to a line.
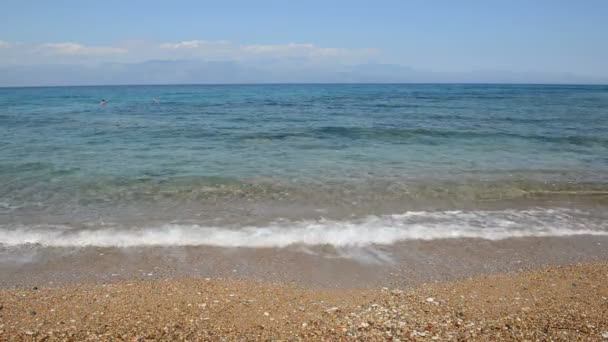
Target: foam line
381	230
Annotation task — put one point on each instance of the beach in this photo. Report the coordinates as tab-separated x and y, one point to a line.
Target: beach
560	303
537	288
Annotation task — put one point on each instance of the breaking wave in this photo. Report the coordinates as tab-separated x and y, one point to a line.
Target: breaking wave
380	230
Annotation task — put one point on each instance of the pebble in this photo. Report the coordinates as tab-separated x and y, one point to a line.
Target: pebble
333	310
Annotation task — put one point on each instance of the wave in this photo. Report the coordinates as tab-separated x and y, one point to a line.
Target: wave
372	230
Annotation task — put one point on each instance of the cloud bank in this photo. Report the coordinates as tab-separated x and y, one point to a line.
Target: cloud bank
70	48
204	61
72	52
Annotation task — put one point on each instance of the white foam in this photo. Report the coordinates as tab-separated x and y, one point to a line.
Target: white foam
382	230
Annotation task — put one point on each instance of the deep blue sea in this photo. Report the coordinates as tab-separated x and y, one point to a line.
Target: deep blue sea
274	165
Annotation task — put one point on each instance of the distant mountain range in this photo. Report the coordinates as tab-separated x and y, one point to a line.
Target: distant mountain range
222	72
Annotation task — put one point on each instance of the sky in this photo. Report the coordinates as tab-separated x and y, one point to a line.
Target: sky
119	41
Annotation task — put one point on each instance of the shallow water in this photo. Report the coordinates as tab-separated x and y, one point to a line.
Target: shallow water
273	165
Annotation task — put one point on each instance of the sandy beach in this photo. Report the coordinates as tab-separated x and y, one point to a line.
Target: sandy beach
454	289
564	303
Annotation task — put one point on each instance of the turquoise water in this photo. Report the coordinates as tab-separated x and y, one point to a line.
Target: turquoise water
250	155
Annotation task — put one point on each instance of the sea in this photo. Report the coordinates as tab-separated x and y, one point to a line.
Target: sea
300	164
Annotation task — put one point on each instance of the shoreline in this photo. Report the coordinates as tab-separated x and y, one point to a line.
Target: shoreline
558	302
403	264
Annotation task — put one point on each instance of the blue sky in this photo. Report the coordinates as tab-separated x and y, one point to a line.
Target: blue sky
433	36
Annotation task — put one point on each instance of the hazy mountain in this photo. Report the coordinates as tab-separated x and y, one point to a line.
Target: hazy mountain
185	71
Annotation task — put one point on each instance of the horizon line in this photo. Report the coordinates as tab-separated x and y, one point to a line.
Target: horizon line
300	83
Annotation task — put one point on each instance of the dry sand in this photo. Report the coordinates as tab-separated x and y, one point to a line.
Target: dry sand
557	303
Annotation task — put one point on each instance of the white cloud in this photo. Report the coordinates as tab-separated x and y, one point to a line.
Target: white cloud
193	44
278	55
70	48
310	50
289	50
281	49
236	51
190	44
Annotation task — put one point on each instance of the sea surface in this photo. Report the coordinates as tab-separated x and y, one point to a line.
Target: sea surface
280	165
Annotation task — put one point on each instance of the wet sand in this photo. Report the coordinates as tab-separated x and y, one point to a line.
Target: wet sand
401	265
